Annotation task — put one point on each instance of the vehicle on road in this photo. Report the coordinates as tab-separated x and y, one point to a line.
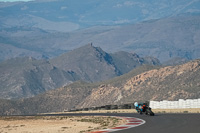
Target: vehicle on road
143	108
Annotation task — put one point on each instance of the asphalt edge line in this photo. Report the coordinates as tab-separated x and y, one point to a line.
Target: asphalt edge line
130	123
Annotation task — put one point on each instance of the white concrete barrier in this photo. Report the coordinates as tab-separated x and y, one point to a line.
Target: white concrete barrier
181	103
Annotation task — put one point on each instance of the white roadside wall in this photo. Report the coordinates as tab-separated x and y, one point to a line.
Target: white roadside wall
180	104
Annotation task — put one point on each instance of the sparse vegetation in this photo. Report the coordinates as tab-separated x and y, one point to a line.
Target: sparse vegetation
88	123
147	82
195	110
105	122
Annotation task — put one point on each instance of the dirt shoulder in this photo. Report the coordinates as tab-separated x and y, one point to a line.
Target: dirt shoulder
196	110
57	124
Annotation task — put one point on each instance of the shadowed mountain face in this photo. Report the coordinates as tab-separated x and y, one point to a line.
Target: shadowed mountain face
142	84
93	64
27	77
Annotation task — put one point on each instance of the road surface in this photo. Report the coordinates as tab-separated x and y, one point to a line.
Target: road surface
160	123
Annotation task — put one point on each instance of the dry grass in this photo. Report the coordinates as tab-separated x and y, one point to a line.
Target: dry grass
99	111
56	124
134	111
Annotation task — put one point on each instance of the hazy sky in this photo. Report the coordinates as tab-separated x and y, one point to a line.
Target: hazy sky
13	0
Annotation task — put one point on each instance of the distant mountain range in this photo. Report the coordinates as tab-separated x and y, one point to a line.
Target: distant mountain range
164	29
141	84
164	39
70	15
27	77
42	47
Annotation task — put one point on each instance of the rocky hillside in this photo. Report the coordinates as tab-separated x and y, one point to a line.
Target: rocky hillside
168	83
141	84
93	64
27	77
51	101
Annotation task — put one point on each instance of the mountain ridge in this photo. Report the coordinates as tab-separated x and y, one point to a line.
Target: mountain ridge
165	39
93	60
152	28
142	84
27	77
67	15
157	84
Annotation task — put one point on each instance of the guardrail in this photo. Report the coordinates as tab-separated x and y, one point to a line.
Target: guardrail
106	107
180	104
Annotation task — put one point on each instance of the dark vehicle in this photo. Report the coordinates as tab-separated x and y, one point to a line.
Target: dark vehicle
143	108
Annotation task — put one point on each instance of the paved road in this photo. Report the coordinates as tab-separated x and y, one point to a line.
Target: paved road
162	123
167	123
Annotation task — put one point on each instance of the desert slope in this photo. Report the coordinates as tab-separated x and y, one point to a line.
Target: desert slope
167	83
141	84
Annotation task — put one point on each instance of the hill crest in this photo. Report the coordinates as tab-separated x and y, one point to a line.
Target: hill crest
27	77
93	64
142	84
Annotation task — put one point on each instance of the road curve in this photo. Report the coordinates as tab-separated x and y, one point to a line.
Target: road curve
160	123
